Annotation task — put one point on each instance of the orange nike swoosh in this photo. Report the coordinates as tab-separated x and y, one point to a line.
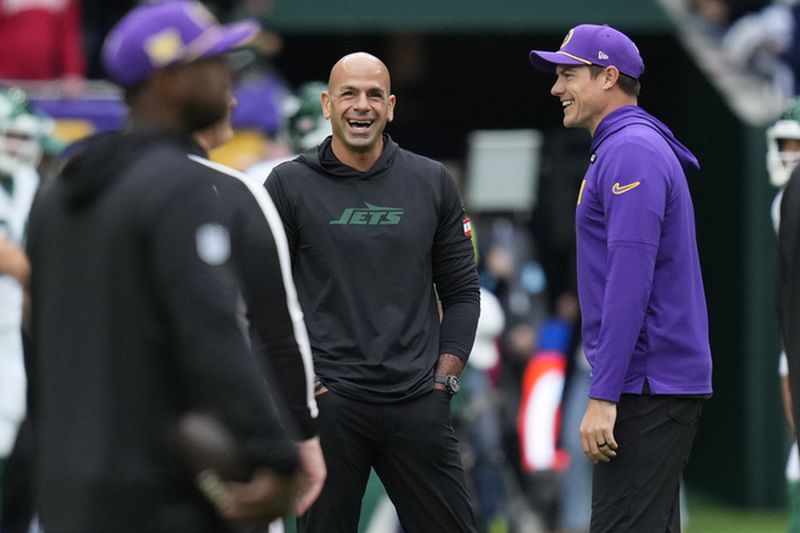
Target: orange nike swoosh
620	189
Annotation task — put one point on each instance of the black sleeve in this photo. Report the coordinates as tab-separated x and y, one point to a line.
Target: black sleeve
189	250
31	250
455	273
276	336
789	284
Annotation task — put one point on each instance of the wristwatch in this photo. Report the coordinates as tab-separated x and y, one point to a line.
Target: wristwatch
451	383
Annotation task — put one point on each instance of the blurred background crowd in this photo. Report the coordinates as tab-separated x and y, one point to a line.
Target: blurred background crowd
721	71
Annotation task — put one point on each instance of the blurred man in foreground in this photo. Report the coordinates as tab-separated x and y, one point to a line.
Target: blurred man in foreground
134	305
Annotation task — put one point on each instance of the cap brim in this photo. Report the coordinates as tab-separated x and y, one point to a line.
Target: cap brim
547	61
232	37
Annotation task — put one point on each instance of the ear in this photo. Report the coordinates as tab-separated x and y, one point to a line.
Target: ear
325	98
390	111
611	77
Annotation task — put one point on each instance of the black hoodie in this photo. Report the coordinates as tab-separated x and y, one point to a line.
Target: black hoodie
370	253
134	318
277	332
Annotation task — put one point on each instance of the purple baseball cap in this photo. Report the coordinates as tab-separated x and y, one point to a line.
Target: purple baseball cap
592	44
155	36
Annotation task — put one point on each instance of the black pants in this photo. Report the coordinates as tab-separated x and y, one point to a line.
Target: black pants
17	484
638	490
413	449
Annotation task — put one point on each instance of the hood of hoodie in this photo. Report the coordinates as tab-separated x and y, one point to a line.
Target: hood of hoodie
631	114
99	161
323	159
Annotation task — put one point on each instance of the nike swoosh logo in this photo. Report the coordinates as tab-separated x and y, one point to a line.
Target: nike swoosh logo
621	189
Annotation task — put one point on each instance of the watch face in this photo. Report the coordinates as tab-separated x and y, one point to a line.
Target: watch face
453	384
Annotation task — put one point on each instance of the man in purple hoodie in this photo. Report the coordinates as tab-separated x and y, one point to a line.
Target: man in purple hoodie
645	325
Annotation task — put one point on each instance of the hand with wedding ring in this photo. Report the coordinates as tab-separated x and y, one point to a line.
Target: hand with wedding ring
597	431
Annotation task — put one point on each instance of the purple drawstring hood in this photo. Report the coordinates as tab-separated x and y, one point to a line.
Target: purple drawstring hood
629	115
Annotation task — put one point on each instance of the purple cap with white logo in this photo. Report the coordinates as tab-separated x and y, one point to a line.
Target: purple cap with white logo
155	36
592	44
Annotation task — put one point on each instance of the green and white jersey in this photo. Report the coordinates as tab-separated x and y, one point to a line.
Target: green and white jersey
16	196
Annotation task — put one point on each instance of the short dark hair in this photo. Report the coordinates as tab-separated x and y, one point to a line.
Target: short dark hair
630	86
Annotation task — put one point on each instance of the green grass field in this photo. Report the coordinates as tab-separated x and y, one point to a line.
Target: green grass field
709	516
706	515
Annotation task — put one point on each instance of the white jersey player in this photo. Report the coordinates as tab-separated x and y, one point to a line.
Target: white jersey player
21	134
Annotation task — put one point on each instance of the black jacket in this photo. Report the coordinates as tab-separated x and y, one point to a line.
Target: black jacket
789	284
371	252
134	317
275	319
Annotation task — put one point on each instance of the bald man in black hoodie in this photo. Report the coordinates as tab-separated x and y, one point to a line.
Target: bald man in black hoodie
379	240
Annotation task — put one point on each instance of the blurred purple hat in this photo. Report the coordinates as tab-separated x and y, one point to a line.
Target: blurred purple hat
155	36
592	44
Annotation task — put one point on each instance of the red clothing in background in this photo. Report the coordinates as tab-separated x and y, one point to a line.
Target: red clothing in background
41	39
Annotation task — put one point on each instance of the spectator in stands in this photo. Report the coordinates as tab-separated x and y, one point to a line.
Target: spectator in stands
479	418
304	127
791	54
575	497
755	36
42	40
761	42
721	14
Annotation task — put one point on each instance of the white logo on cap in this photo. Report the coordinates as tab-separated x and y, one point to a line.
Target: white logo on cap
602	55
213	244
